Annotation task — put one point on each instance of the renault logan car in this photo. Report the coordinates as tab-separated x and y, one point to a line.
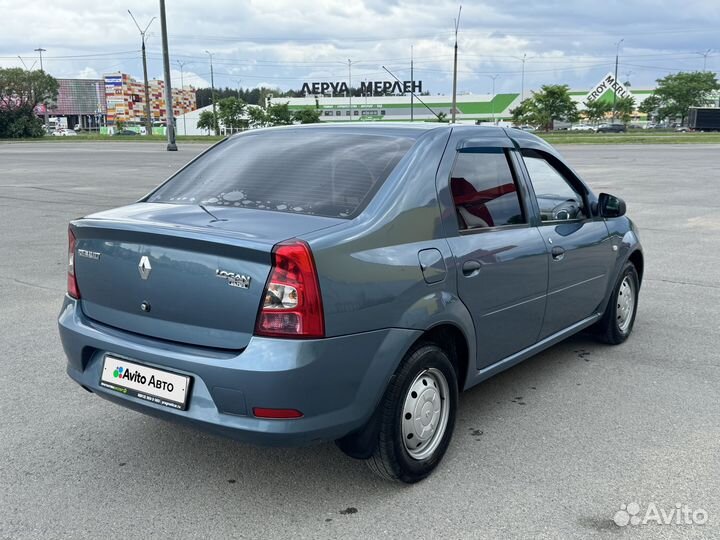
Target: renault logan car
343	283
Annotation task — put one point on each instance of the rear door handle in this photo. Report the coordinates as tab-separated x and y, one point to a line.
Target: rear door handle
558	253
471	268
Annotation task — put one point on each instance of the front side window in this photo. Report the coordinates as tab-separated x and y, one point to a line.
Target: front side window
484	190
313	172
557	198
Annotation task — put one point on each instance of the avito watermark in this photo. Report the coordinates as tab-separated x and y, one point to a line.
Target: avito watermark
680	514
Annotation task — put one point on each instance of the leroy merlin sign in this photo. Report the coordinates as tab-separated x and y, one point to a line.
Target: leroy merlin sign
608	83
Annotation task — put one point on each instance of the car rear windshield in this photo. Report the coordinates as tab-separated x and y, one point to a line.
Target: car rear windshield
299	171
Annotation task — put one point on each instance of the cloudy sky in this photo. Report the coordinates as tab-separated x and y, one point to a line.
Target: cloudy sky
283	43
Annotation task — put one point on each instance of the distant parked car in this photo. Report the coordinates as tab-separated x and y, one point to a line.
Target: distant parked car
582	127
64	133
123	132
527	128
318	283
611	128
682	129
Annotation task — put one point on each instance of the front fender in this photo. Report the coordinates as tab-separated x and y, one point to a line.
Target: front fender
623	234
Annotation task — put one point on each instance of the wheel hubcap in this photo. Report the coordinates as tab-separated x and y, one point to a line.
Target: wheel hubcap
425	413
625	304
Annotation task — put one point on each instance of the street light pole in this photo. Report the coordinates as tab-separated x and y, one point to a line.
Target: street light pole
212	86
182	88
350	86
617	55
40	50
412	84
454	90
148	120
522	79
492	101
705	57
169	108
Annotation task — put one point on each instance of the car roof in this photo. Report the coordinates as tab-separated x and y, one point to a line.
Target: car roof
414	130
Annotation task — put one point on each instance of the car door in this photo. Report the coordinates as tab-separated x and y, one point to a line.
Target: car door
501	259
578	244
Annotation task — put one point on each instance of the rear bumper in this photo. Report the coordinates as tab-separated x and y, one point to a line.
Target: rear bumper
335	382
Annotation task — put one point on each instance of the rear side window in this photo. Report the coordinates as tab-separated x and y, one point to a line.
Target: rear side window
299	171
484	190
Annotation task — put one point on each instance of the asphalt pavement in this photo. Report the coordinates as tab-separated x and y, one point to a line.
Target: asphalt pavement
548	449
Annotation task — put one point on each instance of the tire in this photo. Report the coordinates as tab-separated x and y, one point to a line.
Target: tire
619	317
425	377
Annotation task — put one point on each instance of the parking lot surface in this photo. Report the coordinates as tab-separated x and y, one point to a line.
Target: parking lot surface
548	449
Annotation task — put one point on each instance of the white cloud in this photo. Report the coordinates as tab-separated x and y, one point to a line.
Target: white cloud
284	42
88	73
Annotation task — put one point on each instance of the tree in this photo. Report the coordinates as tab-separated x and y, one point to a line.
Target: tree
651	106
680	91
258	117
596	110
522	114
206	120
279	115
552	102
20	88
441	117
231	113
307	116
624	108
20	92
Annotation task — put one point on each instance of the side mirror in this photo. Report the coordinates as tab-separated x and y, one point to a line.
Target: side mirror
610	206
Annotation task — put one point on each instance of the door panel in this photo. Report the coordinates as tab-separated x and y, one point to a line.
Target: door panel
506	296
502	262
578	246
578	279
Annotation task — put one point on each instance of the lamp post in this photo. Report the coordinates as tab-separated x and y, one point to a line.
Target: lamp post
40	50
350	86
212	86
454	89
704	55
412	85
148	120
182	88
169	105
492	101
617	55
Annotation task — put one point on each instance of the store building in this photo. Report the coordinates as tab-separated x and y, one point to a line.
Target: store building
125	98
80	103
471	108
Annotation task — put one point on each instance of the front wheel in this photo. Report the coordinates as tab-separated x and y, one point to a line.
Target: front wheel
417	416
619	317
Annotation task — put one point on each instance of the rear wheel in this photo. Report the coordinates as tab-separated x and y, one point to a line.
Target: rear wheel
619	317
416	416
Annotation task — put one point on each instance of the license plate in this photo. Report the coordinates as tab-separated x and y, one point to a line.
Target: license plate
153	385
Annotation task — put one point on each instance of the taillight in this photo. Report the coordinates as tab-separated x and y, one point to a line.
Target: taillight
292	306
72	286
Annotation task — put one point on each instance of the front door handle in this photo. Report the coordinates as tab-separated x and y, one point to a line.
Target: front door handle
558	253
470	268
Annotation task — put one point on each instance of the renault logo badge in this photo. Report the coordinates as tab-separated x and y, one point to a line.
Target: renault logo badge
144	267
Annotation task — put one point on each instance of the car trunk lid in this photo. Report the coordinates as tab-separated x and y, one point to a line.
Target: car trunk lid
180	272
